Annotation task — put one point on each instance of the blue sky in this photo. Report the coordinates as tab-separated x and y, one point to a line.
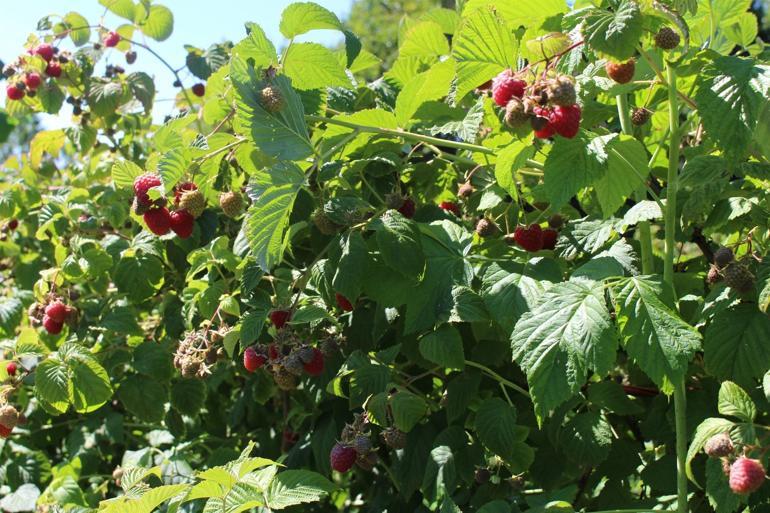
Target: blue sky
196	22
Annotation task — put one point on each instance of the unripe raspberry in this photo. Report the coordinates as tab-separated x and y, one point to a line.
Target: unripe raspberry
719	446
323	223
723	256
342	457
362	444
746	475
739	278
713	275
193	201
231	203
285	379
621	72
271	99
561	91
394	438
465	190
516	114
556	221
667	39
293	364
640	116
485	227
9	416
367	461
9	71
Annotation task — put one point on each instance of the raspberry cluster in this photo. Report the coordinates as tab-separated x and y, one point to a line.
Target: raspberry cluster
549	104
745	475
533	238
52	314
197	353
25	68
189	204
354	447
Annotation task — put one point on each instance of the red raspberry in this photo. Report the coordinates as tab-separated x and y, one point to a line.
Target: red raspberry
181	189
13	224
315	366
549	238
57	311
342	457
144	183
530	237
272	352
5	432
199	89
158	220
343	302
11	368
14	93
542	123
450	206
279	318
746	475
621	72
289	437
253	360
505	86
182	222
32	80
51	326
53	69
407	208
111	40
45	51
566	120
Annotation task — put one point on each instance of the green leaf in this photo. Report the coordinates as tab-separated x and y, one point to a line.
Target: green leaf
653	334
313	66
352	265
444	347
188	396
123	8
496	427
302	17
52	383
483	48
147	502
293	487
139	276
256	47
142	86
408	410
424	39
571	165
704	431
587	438
172	167
154	360
145	398
80	32
89	386
615	34
731	92
527	14
430	85
157	23
735	345
626	170
569	330
509	160
735	402
282	135
400	245
104	97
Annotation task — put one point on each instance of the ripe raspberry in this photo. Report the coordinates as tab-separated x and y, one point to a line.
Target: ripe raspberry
323	223
723	256
14	93
407	208
485	227
289	437
32	80
144	183
561	91
621	72
198	89
640	116
719	446
713	275
11	368
362	444
231	203
482	475
394	438
566	120
111	40
342	457
285	379
13	224
549	238
516	114
57	311
465	190
450	206
182	223
45	51
271	99
343	302
530	238
272	352
158	220
53	69
5	432
667	38
279	318
505	87
739	278
130	57
541	123
51	326
193	201
315	366
746	475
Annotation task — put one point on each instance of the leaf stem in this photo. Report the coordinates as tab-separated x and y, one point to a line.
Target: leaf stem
497	377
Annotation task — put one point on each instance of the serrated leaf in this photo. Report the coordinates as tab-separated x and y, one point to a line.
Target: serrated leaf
571	165
430	85
424	39
80	31
735	402
587	438
496	427
146	503
615	33
293	487
735	345
172	167
408	410
352	266
444	347
556	343
143	397
704	431
142	86
313	66
302	17
400	245
123	8
157	23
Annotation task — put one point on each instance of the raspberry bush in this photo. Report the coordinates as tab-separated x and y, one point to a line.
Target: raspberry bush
523	270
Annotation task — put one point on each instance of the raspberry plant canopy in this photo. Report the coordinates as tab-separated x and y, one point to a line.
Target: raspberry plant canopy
522	269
